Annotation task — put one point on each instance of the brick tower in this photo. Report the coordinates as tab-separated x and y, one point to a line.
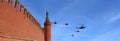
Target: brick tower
47	27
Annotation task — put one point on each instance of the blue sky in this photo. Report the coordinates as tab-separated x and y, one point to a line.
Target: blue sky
101	17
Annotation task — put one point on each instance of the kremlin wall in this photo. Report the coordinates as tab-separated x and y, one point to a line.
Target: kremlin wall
17	24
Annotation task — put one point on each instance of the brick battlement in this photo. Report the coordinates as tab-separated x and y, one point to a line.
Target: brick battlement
17	22
20	8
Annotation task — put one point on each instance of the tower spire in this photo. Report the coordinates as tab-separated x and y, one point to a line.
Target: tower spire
47	16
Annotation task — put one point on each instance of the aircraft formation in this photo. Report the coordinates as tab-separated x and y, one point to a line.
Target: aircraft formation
77	28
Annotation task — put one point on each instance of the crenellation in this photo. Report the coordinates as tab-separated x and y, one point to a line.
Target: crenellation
3	1
21	9
36	22
29	16
11	2
25	12
33	19
17	4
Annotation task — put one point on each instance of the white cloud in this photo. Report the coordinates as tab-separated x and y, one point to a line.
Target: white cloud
114	18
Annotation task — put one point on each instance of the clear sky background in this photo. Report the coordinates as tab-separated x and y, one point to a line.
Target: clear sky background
101	17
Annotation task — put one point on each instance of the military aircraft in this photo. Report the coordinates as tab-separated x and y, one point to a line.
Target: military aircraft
72	35
55	22
66	24
81	27
77	31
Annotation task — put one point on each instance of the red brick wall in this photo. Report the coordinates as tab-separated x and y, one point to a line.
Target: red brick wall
15	24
